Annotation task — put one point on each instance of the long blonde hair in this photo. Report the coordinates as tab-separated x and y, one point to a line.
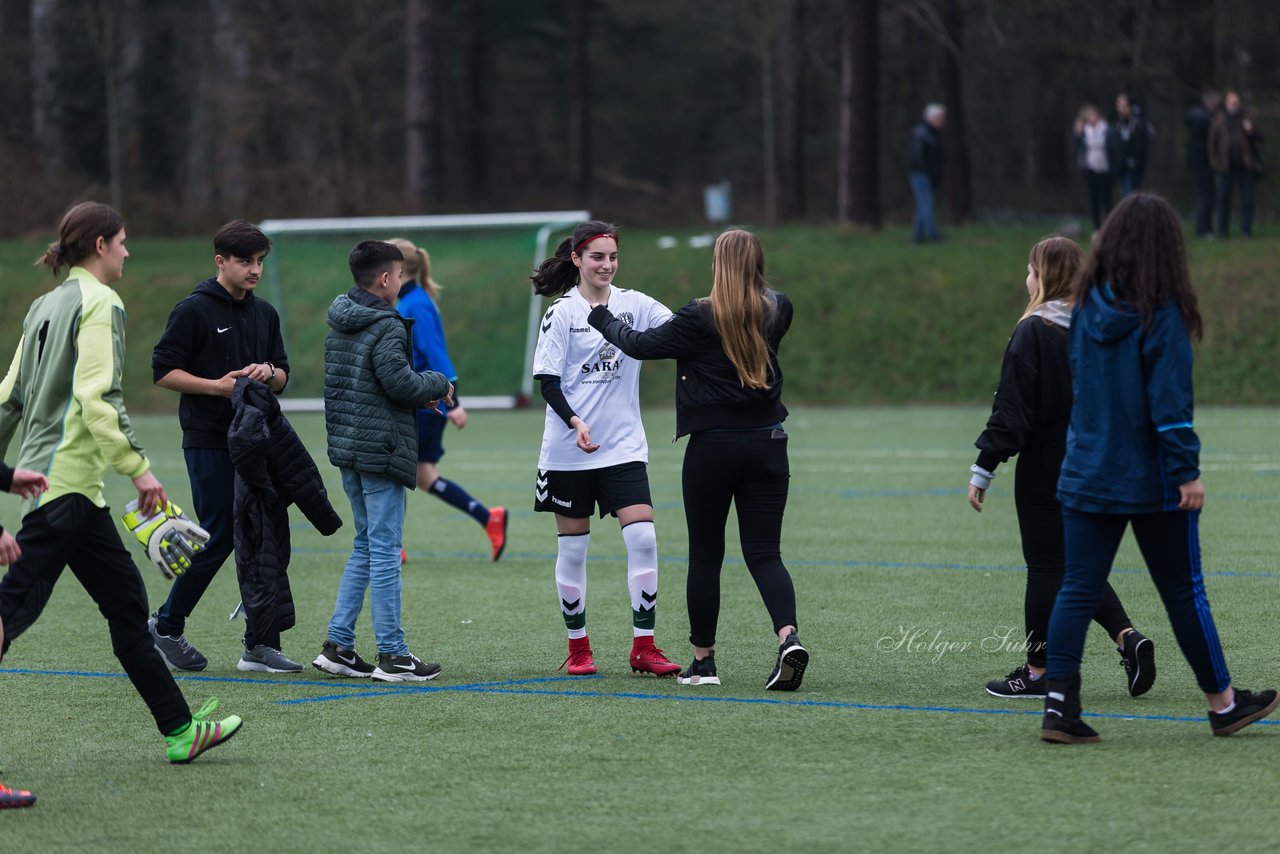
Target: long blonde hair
741	306
1056	261
417	265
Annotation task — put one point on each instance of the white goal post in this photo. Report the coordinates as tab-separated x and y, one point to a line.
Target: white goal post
546	222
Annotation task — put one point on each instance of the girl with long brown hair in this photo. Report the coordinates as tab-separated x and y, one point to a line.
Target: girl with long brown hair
729	403
1029	418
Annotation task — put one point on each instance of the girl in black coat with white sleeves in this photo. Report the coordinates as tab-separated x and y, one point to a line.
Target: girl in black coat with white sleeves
729	402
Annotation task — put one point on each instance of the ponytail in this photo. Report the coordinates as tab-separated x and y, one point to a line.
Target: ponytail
417	265
556	275
78	235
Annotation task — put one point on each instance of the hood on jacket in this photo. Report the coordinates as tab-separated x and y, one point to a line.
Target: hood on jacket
210	288
358	309
1057	312
1106	321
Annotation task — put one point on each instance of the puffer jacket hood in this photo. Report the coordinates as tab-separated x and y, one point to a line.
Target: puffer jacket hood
1109	321
357	310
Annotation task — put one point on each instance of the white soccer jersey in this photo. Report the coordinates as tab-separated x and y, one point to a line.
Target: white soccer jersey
600	383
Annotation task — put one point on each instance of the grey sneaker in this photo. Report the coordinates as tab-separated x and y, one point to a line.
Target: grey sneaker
264	659
177	652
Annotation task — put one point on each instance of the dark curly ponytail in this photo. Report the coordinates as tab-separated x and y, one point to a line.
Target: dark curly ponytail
556	275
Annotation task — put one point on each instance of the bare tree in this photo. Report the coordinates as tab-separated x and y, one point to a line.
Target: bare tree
788	109
44	57
858	152
959	181
577	13
424	137
475	116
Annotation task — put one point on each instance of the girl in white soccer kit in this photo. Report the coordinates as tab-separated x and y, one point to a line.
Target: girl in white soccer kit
591	387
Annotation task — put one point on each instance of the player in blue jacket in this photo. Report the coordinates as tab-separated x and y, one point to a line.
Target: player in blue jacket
1133	458
417	301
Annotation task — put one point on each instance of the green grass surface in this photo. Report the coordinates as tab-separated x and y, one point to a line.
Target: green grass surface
877	320
885	748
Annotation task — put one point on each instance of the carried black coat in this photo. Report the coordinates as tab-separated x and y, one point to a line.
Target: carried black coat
273	470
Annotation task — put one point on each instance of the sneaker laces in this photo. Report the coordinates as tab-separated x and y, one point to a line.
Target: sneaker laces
652	653
576	657
184	645
202	714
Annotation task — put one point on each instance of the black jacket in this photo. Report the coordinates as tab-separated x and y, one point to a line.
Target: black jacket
273	470
926	151
1033	401
210	334
709	395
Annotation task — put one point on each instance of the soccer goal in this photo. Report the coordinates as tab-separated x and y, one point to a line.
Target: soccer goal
479	259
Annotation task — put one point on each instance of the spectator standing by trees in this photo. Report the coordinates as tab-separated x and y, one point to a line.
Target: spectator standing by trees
1132	141
927	158
1199	119
1233	154
1095	154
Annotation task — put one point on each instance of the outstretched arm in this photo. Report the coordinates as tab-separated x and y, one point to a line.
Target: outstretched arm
673	339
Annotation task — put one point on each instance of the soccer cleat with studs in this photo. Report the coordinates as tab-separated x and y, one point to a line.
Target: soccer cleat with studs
580	661
648	659
201	734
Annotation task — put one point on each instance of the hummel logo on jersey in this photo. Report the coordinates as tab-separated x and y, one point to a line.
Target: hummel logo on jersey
221	330
579	329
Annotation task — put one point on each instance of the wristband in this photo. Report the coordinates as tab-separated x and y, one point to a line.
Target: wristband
981	477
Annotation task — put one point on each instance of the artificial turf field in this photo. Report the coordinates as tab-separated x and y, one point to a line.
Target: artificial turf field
890	745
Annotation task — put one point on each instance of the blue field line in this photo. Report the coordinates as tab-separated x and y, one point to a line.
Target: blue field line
836	564
511	686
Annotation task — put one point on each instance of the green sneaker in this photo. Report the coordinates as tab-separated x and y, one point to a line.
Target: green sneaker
201	734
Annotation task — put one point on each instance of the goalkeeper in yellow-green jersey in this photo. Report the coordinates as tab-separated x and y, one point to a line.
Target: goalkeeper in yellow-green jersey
63	389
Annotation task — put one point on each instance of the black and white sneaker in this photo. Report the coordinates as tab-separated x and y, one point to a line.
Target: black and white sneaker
1250	706
1138	658
701	671
404	668
1017	684
176	650
790	667
342	662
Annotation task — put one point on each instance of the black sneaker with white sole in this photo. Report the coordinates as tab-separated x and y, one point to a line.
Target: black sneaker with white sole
1017	684
701	671
789	669
404	668
176	650
1138	658
342	662
1249	706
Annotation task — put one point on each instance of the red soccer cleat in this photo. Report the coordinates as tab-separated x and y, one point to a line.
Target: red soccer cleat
404	557
496	528
12	798
647	658
579	662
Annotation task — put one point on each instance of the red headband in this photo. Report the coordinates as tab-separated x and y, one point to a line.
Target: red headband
577	250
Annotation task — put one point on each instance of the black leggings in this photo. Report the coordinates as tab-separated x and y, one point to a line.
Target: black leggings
750	469
1040	522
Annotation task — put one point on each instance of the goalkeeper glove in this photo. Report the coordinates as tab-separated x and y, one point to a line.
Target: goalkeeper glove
168	536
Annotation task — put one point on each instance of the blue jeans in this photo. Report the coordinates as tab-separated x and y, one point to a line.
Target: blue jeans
923	227
377	503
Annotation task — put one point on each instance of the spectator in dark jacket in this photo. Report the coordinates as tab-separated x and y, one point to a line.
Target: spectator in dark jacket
370	394
1029	418
272	471
1233	154
1199	120
729	398
1133	458
1132	141
926	171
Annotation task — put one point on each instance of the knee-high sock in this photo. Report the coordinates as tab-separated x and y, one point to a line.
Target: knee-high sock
571	581
642	575
450	493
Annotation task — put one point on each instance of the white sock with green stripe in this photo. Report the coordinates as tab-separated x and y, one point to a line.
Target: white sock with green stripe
571	581
641	539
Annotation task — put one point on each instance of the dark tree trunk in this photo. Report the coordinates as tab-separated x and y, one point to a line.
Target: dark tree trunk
44	56
475	113
958	180
788	110
858	154
16	47
424	137
579	101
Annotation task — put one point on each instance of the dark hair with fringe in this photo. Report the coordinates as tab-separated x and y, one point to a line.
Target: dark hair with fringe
1141	253
370	258
556	275
78	235
240	239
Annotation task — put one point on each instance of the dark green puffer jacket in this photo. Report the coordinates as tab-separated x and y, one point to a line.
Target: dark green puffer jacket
371	390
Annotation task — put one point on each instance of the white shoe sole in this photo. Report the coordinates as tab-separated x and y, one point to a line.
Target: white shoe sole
793	660
257	667
337	669
698	680
383	676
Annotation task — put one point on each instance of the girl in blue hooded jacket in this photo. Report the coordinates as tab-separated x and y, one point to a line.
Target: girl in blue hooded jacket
1133	459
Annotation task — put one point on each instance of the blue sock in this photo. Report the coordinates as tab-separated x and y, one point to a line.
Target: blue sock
451	493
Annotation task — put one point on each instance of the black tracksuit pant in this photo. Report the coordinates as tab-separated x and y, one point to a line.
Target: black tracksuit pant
750	469
71	532
1035	492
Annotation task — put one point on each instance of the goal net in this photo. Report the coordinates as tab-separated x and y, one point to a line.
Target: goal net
482	262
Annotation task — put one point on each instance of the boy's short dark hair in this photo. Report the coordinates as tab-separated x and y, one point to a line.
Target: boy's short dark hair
369	258
240	239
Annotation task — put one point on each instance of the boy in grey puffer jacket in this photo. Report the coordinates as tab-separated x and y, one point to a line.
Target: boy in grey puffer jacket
371	393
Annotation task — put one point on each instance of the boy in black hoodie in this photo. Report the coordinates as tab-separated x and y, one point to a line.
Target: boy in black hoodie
219	333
